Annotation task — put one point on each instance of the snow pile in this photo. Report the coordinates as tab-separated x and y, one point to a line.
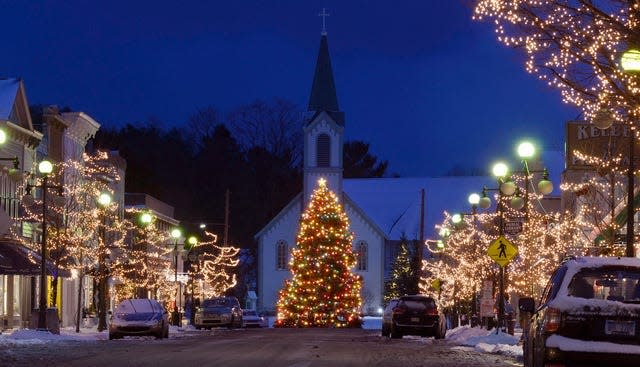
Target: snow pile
28	336
487	341
372	323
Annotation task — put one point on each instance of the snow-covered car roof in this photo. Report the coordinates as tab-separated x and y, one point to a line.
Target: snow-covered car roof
564	301
138	306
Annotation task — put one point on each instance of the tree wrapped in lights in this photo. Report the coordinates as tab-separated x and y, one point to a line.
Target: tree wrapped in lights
460	266
596	198
139	266
72	218
323	290
574	46
463	263
215	266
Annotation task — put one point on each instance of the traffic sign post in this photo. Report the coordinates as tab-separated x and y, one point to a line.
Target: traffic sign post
502	251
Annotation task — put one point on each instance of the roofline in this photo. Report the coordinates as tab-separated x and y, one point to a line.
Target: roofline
296	199
373	224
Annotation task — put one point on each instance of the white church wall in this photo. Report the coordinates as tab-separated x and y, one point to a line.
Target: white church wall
272	279
373	280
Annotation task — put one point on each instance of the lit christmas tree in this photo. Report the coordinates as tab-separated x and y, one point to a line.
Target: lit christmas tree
403	278
323	291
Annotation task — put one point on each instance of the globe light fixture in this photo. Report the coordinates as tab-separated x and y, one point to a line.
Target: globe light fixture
3	136
545	186
474	199
104	199
45	167
146	218
630	61
603	119
456	218
500	170
526	150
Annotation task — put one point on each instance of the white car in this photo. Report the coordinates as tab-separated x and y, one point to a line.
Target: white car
135	317
250	318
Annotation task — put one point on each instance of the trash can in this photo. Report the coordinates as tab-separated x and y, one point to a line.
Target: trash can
52	320
175	318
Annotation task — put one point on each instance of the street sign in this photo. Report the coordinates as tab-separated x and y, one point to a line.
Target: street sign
513	227
502	251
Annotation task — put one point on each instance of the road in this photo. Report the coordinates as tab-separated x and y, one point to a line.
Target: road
254	347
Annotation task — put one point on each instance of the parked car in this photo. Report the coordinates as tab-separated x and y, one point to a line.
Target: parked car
413	315
220	311
139	317
589	314
250	318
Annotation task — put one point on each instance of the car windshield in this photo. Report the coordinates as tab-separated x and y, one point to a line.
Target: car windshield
620	284
249	313
217	302
419	304
137	306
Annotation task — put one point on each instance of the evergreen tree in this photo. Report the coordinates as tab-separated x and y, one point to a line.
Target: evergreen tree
323	291
403	276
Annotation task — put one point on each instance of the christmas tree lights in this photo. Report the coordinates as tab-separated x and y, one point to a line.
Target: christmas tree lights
323	291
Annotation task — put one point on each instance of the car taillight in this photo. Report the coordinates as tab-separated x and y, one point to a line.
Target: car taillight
398	310
431	311
552	320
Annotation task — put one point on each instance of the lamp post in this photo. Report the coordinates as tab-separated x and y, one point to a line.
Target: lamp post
45	168
175	315
630	63
500	171
146	219
104	200
192	242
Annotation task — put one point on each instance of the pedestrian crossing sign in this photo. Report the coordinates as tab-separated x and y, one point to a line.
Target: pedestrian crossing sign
502	251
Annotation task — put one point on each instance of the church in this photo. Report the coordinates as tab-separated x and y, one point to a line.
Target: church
380	210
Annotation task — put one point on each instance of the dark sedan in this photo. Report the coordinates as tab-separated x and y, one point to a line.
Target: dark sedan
413	315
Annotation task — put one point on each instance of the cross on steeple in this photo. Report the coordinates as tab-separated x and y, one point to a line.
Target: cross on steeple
324	16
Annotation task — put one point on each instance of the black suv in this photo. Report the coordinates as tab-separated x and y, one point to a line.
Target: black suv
589	315
413	315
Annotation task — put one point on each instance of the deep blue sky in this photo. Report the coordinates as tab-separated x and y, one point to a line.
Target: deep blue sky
420	81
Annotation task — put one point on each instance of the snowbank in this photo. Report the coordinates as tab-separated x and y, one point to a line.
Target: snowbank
487	341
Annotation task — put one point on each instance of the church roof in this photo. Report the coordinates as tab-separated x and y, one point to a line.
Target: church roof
8	92
394	203
323	91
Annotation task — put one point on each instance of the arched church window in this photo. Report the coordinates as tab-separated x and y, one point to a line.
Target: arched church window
323	146
282	251
362	253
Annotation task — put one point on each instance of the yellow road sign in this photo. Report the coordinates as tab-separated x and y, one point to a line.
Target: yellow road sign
502	251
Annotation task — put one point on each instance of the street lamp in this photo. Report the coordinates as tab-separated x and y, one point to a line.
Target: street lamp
630	63
45	168
192	243
104	200
176	233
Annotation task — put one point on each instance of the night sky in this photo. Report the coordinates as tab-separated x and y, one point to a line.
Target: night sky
424	84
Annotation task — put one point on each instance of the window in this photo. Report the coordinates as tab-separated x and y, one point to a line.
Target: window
361	256
281	255
322	150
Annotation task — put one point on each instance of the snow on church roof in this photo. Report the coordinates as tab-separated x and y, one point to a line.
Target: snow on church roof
394	203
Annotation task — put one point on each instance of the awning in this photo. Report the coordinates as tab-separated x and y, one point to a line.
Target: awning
15	259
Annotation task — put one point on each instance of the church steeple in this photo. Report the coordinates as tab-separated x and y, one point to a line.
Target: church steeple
323	91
